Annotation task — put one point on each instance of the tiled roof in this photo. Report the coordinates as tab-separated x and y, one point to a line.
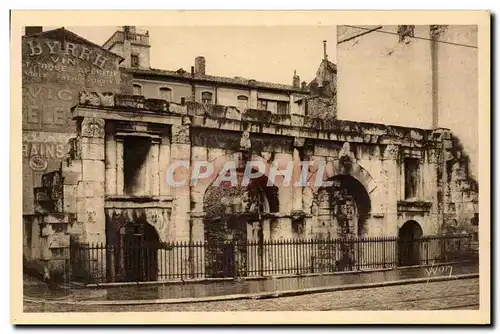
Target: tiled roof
216	79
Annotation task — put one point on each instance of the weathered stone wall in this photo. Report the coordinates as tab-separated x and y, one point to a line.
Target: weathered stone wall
322	107
370	156
56	66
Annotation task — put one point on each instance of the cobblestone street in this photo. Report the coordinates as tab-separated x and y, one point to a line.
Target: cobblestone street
454	294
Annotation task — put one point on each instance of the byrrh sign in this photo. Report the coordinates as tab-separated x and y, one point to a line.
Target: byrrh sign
56	48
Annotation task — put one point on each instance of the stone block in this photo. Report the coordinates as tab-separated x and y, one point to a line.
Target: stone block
90	189
321	150
211	123
75	229
74	166
58	240
60	253
93	170
90	210
69	202
92	151
229	125
180	152
55	218
71	178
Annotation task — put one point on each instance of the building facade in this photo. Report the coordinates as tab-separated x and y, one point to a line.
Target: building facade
377	180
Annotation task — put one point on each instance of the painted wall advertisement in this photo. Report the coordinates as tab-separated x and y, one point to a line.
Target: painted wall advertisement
55	69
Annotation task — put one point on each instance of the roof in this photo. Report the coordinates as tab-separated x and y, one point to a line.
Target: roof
216	79
67	35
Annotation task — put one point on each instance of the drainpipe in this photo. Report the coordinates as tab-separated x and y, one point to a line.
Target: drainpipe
193	86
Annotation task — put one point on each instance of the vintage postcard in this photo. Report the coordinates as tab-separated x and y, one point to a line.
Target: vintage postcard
230	167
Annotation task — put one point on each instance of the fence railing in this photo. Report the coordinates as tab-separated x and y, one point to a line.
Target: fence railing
97	263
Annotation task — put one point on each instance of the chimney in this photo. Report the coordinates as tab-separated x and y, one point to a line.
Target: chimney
31	30
304	85
325	56
296	79
199	65
192	71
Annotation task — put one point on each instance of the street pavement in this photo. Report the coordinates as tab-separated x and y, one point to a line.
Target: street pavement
40	291
444	295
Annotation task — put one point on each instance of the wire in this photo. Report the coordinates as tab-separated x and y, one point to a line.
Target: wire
415	37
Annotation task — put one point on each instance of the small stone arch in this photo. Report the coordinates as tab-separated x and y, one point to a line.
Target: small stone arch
135	243
409	236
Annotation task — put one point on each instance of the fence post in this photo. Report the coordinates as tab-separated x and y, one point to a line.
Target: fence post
383	251
296	244
427	251
357	241
111	263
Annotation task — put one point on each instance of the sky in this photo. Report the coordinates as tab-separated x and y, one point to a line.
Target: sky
262	53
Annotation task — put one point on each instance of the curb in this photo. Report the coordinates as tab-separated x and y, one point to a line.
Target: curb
264	295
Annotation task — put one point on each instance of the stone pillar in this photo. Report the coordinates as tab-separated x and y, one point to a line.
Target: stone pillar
297	191
164	163
310	210
180	151
430	180
90	191
110	164
392	179
154	162
266	261
119	166
197	239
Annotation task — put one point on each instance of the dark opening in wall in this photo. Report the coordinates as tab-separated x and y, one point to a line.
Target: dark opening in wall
134	60
298	228
475	220
135	154
411	166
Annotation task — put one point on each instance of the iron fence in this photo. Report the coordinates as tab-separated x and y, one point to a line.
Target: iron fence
97	263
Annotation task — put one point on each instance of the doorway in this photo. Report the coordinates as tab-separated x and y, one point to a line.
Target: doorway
139	246
410	235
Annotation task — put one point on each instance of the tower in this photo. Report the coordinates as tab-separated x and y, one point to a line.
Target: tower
132	44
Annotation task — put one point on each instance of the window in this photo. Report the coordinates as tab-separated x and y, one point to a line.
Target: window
411	166
135	165
137	89
206	98
242	102
165	94
282	107
262	104
134	60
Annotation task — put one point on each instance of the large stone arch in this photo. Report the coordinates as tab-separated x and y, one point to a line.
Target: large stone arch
334	168
199	190
342	208
229	213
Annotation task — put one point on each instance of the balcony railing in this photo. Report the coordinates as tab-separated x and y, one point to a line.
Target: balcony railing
120	36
